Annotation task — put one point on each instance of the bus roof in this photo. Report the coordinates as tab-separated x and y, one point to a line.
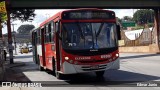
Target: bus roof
34	29
51	18
58	15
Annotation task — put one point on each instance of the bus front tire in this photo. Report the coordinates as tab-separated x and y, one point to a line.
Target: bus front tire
58	75
100	73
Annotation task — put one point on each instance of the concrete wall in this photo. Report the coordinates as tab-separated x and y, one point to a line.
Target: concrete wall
134	49
140	49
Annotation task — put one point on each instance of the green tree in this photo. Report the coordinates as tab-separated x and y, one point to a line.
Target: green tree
127	18
19	14
119	21
144	16
23	14
25	29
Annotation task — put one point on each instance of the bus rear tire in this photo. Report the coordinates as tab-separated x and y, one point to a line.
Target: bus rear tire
53	66
100	74
41	68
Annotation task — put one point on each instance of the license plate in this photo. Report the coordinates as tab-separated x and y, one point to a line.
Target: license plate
94	67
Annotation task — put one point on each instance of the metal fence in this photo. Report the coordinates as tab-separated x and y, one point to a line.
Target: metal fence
141	39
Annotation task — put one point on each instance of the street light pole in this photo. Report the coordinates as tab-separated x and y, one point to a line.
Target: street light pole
47	15
15	46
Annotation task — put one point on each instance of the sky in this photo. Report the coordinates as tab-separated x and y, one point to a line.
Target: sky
43	14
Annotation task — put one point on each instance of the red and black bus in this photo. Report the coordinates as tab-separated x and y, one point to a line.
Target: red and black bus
77	41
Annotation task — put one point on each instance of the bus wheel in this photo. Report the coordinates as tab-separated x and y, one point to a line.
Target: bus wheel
40	68
53	66
58	75
100	73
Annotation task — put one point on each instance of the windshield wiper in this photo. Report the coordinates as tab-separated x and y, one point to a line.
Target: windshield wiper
92	35
80	30
97	33
99	30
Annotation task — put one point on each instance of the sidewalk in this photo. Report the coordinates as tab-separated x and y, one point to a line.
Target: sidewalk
15	88
14	74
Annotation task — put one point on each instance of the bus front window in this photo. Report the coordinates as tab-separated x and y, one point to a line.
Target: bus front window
79	36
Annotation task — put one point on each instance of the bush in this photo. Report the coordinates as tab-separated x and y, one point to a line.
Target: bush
150	24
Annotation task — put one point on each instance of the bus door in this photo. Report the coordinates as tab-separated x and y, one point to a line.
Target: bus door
43	63
58	52
48	47
34	46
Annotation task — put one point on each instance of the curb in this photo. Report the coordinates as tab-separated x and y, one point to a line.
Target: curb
16	65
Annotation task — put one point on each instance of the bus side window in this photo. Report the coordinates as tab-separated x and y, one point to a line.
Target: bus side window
45	33
40	31
34	36
52	32
57	28
49	32
38	37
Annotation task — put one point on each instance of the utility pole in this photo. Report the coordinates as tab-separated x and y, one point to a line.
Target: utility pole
47	16
0	28
10	47
133	12
14	37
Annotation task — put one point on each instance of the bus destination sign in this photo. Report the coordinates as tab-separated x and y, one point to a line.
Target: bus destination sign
88	15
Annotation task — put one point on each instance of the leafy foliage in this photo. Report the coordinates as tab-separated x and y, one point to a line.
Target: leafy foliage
144	16
23	14
25	29
3	17
119	20
127	18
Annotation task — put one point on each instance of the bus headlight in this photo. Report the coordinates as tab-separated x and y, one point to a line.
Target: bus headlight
117	55
66	58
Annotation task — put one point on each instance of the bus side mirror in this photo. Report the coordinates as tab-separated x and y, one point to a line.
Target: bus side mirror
118	32
60	37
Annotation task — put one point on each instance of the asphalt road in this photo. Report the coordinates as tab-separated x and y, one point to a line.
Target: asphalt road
135	69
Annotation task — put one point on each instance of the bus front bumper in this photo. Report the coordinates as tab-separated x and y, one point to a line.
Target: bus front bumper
73	69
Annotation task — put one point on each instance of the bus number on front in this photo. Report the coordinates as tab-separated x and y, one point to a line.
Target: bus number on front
71	44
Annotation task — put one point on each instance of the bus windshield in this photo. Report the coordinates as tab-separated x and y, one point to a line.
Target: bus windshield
82	36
